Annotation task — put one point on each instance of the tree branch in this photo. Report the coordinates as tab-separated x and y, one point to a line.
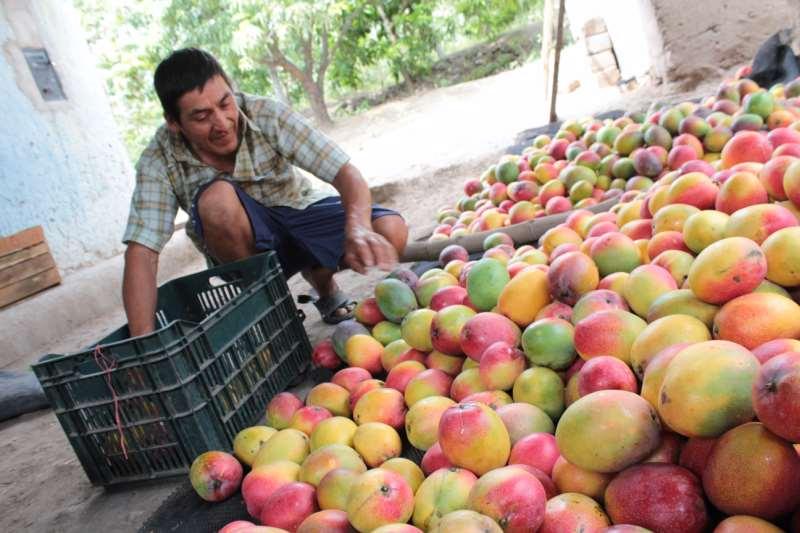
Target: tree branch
308	55
324	55
282	61
280	91
387	24
348	22
405	5
328	51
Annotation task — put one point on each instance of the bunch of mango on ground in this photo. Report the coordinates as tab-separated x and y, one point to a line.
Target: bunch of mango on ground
635	370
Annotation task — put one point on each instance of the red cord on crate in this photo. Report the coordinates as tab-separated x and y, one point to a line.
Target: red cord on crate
107	365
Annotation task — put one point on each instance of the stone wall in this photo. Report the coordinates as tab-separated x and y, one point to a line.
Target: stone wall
704	39
684	41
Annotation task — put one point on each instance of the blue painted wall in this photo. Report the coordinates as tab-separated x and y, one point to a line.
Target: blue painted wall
62	164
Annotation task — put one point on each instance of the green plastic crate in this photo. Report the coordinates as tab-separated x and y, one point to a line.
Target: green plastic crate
230	339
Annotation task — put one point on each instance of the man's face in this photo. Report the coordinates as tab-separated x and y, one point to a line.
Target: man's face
209	119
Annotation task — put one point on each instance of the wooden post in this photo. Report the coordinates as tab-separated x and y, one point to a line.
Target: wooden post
547	45
551	100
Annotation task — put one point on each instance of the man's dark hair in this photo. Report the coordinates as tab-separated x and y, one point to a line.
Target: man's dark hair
181	72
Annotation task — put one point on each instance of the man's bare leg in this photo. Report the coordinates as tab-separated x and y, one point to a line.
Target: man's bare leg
229	236
321	279
394	229
226	228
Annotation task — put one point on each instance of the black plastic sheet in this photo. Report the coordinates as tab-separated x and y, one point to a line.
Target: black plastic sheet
775	61
20	393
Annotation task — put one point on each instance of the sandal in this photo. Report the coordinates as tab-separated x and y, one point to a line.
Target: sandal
329	305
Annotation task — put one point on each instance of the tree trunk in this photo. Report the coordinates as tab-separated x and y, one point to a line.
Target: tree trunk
314	89
277	84
316	98
547	45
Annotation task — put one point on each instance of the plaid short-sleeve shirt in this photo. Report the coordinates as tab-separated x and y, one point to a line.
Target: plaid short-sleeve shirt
274	140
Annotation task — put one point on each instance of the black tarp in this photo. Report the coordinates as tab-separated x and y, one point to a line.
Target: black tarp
20	393
775	61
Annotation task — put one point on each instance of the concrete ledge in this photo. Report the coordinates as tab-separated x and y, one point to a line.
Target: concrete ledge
48	321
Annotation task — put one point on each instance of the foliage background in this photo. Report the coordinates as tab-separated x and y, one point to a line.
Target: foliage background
308	53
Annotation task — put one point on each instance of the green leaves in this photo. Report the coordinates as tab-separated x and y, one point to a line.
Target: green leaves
486	19
303	48
124	37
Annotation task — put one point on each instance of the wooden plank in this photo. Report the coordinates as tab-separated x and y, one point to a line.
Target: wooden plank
24	239
25	269
23	255
29	286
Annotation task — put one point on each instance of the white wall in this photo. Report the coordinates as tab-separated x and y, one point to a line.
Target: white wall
62	163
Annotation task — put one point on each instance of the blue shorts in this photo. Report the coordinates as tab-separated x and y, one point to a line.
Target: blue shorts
302	238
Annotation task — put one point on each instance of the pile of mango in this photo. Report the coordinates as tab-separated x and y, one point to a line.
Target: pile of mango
634	370
590	160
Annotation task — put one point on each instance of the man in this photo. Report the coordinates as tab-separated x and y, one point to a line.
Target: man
228	160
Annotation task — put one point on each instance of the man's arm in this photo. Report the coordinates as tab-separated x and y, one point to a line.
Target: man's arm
139	292
314	152
363	248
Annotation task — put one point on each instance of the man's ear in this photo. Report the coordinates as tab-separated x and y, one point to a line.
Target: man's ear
173	125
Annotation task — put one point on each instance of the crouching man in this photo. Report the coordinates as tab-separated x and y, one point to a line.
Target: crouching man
228	159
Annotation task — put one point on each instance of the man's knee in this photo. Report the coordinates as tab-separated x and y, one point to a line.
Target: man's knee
219	208
394	229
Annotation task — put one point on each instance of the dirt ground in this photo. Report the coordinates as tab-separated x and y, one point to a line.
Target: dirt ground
417	153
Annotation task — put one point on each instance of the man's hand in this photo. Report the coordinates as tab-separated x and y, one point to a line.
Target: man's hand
363	248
